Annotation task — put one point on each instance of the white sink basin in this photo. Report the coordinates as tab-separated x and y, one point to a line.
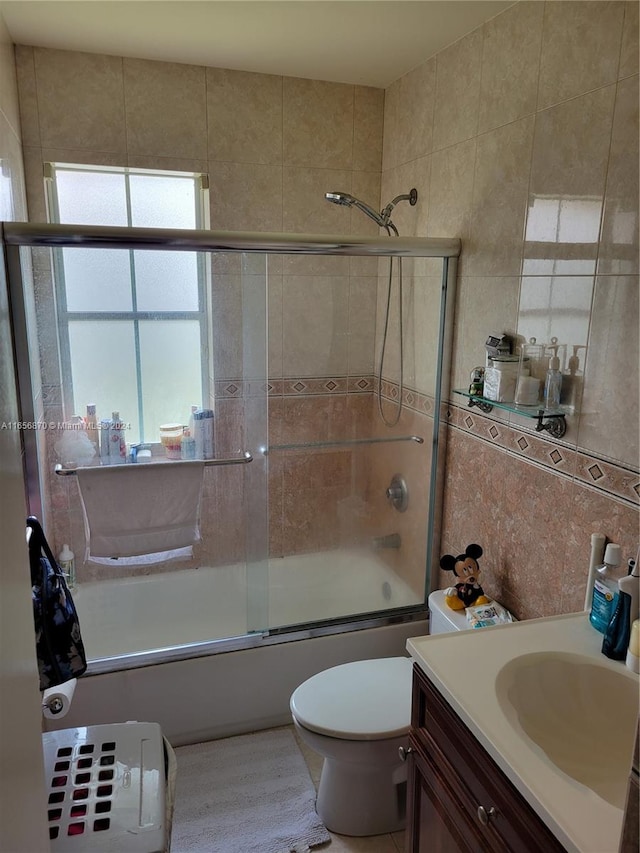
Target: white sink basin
582	716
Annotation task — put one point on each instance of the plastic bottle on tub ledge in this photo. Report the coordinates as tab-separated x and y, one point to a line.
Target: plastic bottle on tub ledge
117	444
203	433
105	444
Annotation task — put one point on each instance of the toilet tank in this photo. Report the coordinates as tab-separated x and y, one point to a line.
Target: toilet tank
442	619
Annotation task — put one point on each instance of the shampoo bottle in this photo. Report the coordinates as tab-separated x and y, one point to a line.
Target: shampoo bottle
92	427
66	562
605	589
117	446
105	441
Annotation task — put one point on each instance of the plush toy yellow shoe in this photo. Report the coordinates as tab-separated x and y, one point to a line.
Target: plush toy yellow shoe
467	592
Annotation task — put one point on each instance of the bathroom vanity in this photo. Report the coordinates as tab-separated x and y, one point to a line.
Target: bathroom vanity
505	732
459	799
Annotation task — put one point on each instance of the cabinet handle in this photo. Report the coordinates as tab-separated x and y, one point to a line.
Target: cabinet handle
485	815
403	753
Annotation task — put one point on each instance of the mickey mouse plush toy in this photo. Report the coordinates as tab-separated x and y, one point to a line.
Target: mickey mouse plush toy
467	592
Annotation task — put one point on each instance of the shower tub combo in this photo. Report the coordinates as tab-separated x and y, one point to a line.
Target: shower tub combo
218	650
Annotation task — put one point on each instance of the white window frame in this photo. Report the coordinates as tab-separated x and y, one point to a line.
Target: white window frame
64	316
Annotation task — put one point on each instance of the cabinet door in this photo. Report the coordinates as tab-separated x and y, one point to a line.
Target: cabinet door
436	823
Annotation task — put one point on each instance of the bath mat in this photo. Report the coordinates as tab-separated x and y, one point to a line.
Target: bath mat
246	794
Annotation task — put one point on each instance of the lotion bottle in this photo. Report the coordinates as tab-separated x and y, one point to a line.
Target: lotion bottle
605	589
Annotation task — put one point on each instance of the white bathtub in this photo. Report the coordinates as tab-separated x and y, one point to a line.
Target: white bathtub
199	698
196	605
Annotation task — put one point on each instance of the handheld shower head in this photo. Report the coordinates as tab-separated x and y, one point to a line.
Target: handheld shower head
383	219
350	201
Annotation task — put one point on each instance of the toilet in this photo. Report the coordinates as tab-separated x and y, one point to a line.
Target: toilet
357	716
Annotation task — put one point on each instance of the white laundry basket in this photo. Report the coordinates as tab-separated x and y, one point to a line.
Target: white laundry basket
107	789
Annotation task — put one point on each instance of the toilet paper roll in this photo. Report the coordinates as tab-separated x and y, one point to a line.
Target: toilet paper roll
56	701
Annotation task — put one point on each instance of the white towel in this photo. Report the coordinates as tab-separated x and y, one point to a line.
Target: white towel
132	510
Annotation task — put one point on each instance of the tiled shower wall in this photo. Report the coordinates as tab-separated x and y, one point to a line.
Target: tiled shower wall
272	147
522	139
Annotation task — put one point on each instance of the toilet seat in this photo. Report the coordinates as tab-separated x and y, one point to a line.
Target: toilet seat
363	700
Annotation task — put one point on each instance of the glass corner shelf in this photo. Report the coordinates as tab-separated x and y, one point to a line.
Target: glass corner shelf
548	420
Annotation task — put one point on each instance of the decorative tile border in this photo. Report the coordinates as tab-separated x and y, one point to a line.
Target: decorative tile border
295	387
314	385
602	475
412	399
556	456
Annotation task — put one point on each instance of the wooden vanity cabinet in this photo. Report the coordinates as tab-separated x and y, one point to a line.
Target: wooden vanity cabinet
458	798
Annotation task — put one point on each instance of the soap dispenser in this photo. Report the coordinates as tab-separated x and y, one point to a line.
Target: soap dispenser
553	382
571	390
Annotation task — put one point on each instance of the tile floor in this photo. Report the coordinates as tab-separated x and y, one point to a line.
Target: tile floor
390	843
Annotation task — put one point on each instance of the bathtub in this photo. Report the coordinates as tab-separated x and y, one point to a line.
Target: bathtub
183	648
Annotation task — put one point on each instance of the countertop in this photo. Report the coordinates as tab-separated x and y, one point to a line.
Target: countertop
464	665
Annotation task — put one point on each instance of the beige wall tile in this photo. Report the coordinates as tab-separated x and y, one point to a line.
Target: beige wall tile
318	121
629	51
556	307
450	191
304	207
274	332
568	171
362	324
171	164
499	200
458	91
27	95
390	140
244	113
484	306
415	111
424	319
315	326
410	220
580	48
165	108
609	416
365	186
8	83
368	118
80	100
13	201
226	309
510	55
245	196
619	239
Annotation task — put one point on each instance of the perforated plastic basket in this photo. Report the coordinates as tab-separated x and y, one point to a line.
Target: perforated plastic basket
106	789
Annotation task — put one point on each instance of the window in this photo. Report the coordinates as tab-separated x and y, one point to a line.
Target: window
132	324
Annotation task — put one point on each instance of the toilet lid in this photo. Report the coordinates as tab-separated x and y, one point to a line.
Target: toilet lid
363	700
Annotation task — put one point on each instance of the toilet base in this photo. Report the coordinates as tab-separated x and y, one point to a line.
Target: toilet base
357	799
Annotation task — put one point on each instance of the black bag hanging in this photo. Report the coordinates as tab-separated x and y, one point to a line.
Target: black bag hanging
59	647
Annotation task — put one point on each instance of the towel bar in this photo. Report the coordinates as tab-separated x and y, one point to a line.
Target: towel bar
235	460
347	441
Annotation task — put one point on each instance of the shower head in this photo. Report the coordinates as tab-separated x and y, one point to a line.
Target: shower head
350	201
383	219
